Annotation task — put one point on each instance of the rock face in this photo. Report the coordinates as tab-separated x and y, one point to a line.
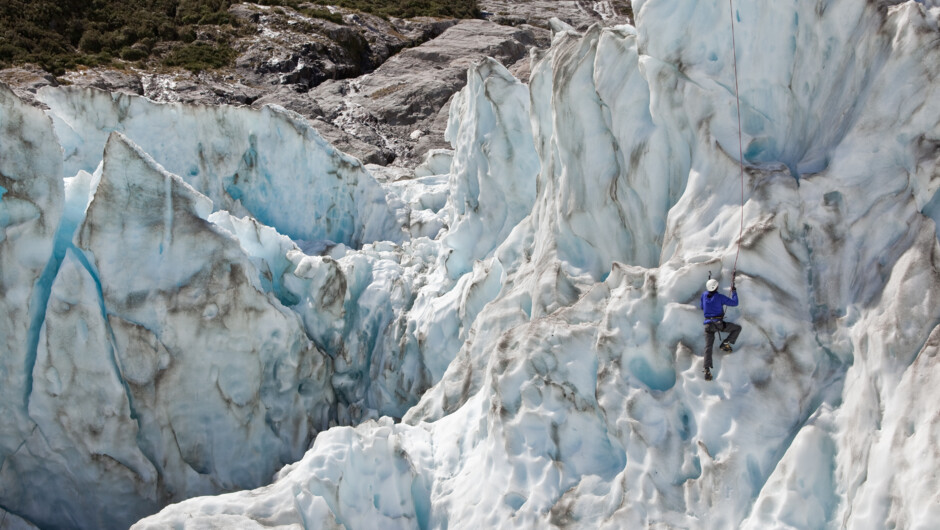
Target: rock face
302	51
277	47
402	106
577	13
25	81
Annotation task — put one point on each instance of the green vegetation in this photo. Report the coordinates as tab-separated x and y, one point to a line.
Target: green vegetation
200	56
317	12
63	34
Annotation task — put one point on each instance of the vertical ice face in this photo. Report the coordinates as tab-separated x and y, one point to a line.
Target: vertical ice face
800	91
163	366
30	207
494	165
576	397
86	439
165	270
270	163
391	316
604	164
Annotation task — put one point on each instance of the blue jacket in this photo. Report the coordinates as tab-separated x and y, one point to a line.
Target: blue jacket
713	304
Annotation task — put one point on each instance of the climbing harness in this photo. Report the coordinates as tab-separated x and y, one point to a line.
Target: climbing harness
737	98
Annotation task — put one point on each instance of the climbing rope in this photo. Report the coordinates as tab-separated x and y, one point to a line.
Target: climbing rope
737	98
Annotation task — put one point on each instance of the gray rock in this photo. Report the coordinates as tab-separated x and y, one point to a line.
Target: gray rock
410	91
416	83
279	48
126	81
25	81
203	88
289	48
580	14
368	153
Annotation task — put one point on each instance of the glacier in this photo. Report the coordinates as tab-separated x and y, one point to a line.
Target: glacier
201	300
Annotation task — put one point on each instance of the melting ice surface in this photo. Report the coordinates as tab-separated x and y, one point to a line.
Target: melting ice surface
209	290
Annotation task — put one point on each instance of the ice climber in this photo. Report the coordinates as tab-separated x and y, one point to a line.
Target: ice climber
713	304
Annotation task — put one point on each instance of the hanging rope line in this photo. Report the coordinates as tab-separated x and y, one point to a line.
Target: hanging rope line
737	98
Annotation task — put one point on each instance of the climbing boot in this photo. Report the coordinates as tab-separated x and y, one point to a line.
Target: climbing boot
725	347
708	374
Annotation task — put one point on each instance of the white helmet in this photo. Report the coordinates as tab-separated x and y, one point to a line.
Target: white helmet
711	284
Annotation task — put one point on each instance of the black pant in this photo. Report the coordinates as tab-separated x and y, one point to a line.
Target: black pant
724	327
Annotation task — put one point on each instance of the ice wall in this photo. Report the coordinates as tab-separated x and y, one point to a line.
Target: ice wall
268	163
178	348
31	196
576	397
149	361
394	316
490	131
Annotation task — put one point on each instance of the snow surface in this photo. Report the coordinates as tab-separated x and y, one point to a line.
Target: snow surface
525	305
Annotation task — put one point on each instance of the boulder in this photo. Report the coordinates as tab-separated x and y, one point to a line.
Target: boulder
410	91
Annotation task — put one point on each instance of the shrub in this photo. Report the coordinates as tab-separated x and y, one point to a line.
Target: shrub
323	14
8	52
187	34
201	56
90	41
217	19
133	54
